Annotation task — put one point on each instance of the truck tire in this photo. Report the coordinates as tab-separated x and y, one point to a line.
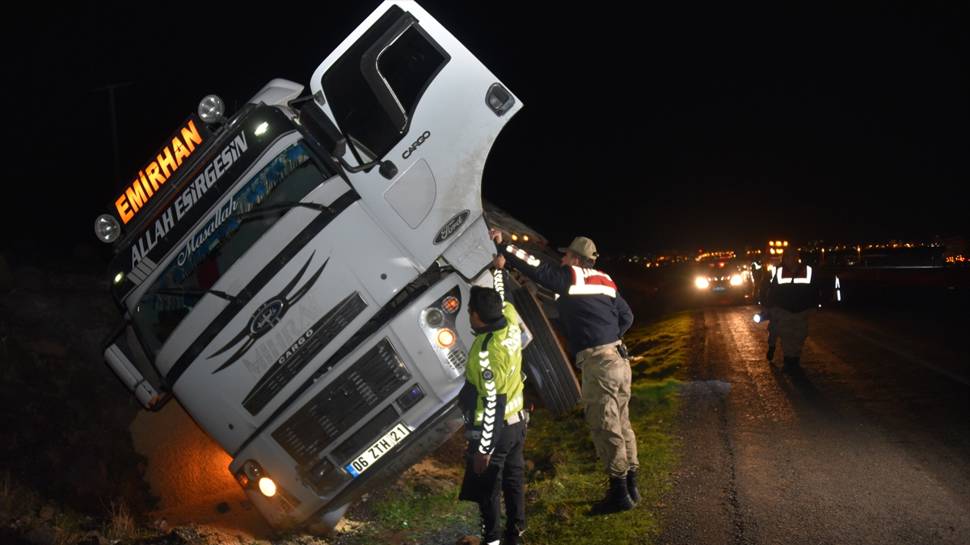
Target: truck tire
549	371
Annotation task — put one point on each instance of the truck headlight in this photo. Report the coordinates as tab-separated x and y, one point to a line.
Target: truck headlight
252	475
736	280
267	487
446	338
701	283
438	321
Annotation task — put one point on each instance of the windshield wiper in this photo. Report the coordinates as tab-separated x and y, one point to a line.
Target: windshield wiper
193	291
260	210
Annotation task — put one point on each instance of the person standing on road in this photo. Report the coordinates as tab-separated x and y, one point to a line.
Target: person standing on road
495	420
594	317
792	294
764	284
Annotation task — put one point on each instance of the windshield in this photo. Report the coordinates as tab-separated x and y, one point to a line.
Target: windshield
221	240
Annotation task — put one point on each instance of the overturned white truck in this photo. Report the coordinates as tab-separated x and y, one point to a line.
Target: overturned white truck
295	275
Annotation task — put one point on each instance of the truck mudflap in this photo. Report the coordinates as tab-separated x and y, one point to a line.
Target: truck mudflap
433	433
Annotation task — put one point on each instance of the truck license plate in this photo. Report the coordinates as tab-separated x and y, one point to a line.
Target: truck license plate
374	452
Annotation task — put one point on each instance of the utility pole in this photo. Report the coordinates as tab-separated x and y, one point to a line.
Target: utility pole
113	119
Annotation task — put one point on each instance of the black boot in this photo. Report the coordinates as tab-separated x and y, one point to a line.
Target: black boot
791	364
513	535
771	353
617	498
631	485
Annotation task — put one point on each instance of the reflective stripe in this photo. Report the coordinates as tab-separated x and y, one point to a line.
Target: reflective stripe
498	283
491	399
793	280
591	282
529	259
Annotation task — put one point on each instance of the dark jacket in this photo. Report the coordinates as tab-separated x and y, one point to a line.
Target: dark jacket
794	291
591	310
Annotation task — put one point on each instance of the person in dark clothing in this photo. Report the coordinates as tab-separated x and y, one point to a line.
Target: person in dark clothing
792	294
594	317
764	283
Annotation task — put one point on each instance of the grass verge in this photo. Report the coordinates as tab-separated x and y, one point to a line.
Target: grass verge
568	477
563	475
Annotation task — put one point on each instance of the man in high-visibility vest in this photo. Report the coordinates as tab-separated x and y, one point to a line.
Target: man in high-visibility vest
495	420
793	293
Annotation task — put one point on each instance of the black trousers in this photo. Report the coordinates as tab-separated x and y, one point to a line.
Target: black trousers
505	472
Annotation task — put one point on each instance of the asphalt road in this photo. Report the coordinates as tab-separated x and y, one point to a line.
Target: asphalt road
869	444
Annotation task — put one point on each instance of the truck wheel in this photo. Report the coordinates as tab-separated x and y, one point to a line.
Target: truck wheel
549	371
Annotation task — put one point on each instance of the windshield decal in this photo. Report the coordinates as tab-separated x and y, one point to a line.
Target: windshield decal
296	246
189	197
193	193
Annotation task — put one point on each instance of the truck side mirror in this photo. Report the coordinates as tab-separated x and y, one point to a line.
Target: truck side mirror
323	129
328	136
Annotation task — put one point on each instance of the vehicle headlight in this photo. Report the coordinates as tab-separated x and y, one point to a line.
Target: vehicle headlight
252	474
701	283
445	338
439	323
267	487
736	280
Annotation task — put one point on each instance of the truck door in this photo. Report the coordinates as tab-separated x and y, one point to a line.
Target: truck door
403	91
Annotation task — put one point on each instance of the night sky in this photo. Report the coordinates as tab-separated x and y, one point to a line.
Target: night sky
703	125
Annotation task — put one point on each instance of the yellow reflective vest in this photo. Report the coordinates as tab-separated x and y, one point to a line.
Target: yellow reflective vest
495	371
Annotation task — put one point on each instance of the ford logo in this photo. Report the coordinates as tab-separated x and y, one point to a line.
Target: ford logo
266	316
451	227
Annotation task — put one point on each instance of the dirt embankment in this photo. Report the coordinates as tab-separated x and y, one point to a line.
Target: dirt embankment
66	416
80	462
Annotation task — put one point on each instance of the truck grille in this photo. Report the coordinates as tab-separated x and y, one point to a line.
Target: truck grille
297	357
458	359
342	404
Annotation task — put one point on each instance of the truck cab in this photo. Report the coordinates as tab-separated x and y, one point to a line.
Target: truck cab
296	274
